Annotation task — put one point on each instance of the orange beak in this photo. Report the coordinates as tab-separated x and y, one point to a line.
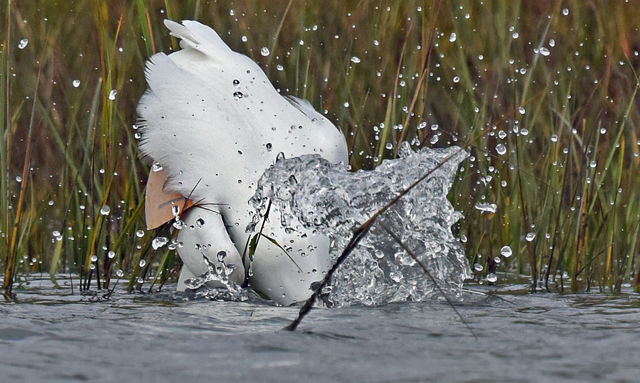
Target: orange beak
159	203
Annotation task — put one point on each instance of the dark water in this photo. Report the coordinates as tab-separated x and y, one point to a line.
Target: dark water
55	337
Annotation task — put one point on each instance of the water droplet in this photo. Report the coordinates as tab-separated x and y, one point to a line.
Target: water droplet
506	251
486	207
554	138
389	146
544	51
94	258
105	210
111	254
452	37
237	95
222	255
200	222
236	82
139	280
178	224
264	51
396	277
522	110
75	83
530	236
355	60
346	104
279	67
456	79
142	263
565	11
491	277
501	149
119	273
18	179
112	94
244	39
156	167
158	242
23	43
140	233
592	164
478	267
269	146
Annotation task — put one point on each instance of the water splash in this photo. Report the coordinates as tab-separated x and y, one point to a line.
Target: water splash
309	192
215	284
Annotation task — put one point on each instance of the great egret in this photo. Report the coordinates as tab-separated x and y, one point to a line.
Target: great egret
212	123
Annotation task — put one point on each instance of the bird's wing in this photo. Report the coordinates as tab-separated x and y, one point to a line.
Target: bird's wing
212	119
190	127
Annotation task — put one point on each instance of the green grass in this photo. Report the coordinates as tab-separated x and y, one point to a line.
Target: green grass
580	109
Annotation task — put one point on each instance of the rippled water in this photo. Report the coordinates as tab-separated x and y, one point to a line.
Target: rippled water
52	336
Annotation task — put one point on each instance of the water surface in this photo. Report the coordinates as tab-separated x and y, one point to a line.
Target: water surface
56	337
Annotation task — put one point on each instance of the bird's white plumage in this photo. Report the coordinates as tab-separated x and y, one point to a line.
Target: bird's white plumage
213	120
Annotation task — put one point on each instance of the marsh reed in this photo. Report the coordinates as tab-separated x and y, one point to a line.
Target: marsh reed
543	94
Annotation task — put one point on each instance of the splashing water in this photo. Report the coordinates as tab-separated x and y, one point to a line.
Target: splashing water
215	284
309	192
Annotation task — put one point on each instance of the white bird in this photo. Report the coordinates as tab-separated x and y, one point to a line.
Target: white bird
214	123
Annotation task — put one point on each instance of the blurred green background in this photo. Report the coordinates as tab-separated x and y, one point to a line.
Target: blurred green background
542	93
